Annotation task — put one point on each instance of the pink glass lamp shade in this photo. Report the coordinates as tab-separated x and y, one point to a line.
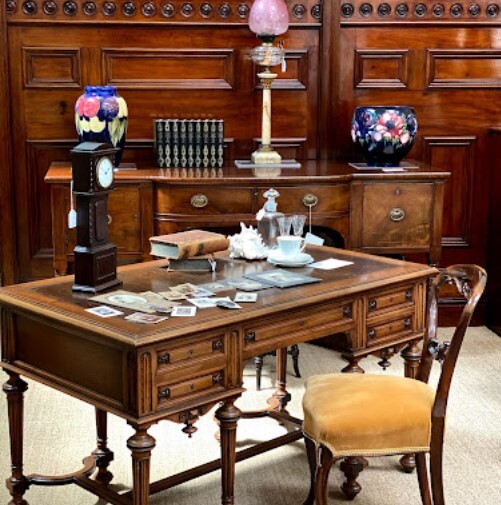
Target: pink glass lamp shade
269	17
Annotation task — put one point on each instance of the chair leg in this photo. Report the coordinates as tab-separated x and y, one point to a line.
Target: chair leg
322	477
422	473
294	352
437	487
258	361
312	463
351	467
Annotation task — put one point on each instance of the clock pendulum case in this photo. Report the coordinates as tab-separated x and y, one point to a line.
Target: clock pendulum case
93	180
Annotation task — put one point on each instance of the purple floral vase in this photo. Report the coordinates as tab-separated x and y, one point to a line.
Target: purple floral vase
385	134
101	116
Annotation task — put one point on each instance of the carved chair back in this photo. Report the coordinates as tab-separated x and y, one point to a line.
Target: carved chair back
470	281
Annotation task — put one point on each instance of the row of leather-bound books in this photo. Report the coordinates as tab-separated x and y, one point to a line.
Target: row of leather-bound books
196	143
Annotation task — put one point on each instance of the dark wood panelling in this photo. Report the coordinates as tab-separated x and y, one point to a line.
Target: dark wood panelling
169	69
8	264
296	72
51	68
381	68
462	68
457	155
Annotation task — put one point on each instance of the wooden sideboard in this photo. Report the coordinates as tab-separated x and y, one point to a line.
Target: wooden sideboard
370	211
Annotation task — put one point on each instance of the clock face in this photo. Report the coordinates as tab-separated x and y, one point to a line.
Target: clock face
104	172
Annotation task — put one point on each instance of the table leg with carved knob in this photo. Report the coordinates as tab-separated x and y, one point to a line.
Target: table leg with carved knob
228	416
141	444
17	483
411	356
102	454
281	396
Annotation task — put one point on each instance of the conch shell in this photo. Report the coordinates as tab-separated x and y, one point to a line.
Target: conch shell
247	244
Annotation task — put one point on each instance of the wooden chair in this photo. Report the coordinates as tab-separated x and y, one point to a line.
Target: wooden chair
356	415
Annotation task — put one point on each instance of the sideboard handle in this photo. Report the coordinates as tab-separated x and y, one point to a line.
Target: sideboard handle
310	200
396	214
164	359
371	334
199	201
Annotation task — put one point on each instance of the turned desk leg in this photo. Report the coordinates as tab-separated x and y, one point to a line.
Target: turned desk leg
411	356
228	416
281	397
141	444
102	454
17	484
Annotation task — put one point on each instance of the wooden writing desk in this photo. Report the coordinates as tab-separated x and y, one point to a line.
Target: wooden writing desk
180	368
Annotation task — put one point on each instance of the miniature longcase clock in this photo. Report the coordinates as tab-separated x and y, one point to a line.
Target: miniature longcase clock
93	179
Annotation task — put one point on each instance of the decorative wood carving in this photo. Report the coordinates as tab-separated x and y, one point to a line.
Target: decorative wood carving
457	153
463	68
381	68
51	68
178	68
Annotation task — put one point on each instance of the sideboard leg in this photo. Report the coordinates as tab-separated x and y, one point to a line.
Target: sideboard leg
141	444
102	454
352	366
228	416
17	483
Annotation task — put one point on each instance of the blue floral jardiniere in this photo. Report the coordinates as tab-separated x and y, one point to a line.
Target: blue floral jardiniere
384	133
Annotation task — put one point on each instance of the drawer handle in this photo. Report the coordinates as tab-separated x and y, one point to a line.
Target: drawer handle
164	359
347	311
110	219
372	304
396	214
407	323
408	295
199	201
250	337
217	345
164	394
310	200
371	333
217	378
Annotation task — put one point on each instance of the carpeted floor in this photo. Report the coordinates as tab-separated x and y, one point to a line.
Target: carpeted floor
280	477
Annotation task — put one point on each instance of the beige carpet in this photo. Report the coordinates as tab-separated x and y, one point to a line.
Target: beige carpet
279	477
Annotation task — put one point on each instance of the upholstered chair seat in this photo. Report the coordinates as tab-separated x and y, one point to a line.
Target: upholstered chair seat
368	415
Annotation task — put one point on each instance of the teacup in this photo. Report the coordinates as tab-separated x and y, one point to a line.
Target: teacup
290	246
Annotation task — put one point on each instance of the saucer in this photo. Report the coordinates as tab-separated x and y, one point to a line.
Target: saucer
301	260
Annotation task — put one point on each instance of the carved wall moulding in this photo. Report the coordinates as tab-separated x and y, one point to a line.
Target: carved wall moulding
363	11
89	8
236	11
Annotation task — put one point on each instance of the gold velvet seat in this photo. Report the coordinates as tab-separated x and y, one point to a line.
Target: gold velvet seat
368	415
351	415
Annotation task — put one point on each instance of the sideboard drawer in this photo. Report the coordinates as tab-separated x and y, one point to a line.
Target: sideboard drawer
202	200
397	214
321	198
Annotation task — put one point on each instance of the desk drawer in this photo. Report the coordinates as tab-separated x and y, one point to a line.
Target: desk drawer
166	394
167	356
303	324
392	299
389	331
